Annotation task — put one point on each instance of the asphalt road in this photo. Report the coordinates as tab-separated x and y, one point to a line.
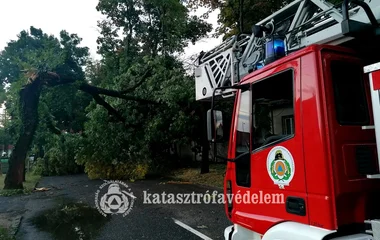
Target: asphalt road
144	221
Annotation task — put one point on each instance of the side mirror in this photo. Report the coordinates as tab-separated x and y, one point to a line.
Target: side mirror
215	131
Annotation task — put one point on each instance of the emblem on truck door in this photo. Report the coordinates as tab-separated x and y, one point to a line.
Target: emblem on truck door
280	166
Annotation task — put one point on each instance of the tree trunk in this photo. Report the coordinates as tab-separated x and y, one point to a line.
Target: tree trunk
24	173
45	172
205	168
29	98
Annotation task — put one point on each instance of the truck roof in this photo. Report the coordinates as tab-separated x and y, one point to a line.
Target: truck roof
294	55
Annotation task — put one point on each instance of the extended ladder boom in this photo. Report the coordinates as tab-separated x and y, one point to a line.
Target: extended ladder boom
299	24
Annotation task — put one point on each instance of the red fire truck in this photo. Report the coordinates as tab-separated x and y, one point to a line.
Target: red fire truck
306	122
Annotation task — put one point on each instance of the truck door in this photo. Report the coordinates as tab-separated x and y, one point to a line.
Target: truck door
272	176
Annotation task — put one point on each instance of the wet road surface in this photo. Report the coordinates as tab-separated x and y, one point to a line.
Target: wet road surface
68	208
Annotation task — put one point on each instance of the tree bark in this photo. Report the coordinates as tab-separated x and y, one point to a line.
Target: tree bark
205	168
118	94
24	172
29	99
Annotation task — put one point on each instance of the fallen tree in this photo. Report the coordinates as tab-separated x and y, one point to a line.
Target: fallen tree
28	105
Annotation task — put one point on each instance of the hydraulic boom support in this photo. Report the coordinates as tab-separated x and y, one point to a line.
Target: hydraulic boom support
299	24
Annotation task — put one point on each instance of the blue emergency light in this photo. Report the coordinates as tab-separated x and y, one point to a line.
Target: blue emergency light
274	49
259	65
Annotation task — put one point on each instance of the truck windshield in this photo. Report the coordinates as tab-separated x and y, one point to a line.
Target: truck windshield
273	110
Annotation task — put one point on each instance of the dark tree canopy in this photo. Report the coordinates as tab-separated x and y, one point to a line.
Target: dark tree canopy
36	50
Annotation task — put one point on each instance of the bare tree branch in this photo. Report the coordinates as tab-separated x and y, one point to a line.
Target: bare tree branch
112	111
53	79
101	91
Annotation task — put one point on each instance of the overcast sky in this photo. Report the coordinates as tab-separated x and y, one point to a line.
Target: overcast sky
74	16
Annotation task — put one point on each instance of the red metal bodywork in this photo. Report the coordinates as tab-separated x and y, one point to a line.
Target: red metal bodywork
376	80
325	173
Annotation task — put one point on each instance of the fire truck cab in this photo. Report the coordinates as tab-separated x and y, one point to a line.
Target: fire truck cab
303	159
302	137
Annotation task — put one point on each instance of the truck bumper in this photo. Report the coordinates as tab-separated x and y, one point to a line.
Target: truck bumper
237	232
228	232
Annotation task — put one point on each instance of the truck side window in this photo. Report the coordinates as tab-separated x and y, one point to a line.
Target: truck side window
273	110
243	136
243	131
349	93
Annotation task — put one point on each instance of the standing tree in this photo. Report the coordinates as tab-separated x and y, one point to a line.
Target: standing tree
238	16
137	34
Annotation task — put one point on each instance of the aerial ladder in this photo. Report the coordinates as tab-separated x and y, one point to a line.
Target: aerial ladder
299	24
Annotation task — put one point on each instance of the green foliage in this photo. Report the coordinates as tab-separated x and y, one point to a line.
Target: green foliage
152	130
152	31
35	50
38	167
121	171
139	41
11	192
29	185
215	178
5	235
149	27
5	137
66	107
62	108
253	11
59	159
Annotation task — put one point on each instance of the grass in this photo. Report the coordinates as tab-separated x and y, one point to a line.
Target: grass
214	178
5	235
29	184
